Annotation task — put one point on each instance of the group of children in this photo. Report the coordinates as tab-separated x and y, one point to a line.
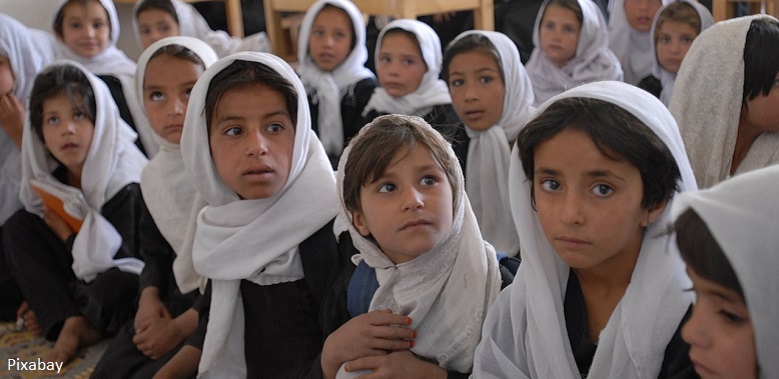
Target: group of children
329	222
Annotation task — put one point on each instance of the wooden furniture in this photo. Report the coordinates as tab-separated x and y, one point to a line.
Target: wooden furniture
723	9
232	10
282	42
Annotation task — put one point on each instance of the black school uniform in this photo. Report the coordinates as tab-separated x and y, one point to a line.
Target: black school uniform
41	264
441	117
676	360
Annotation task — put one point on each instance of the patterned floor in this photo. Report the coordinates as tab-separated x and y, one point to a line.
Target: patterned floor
27	347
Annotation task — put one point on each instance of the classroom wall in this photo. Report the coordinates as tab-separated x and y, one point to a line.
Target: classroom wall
40	13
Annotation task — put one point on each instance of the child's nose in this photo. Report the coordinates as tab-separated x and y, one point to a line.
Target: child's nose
694	330
413	199
257	144
572	209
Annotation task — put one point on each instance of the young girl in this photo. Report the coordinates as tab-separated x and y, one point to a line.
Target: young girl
422	264
630	22
675	27
729	132
88	31
268	266
598	293
331	56
80	284
22	56
572	48
167	313
156	19
492	95
408	61
730	249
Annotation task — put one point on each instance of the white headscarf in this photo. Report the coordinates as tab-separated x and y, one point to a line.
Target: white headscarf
256	240
666	78
112	61
328	87
633	48
112	163
593	61
486	174
738	213
167	190
192	24
708	115
431	91
27	52
446	291
525	333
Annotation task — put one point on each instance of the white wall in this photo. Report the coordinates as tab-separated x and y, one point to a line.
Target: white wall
40	14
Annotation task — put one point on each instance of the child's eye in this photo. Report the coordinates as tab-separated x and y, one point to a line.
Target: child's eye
275	128
156	96
456	83
384	59
145	31
165	28
232	131
98	25
78	115
52	120
548	25
486	79
75	25
340	35
664	39
428	180
550	185
732	317
408	62
602	190
188	92
386	187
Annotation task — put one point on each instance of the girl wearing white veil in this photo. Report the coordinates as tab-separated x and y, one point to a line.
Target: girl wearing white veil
629	25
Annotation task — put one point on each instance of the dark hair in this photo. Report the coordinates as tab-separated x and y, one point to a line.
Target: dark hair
408	34
351	25
571	5
373	149
678	12
617	133
701	252
59	18
761	58
469	43
163	5
180	52
241	74
54	81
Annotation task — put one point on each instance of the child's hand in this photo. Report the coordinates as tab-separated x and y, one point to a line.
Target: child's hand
56	224
26	314
370	334
158	338
12	117
398	364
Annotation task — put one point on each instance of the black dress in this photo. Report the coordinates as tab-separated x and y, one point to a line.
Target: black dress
441	117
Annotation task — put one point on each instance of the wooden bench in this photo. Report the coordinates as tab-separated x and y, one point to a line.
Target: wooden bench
232	9
723	9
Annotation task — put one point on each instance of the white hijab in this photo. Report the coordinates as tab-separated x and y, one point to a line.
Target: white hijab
446	291
192	24
593	61
666	78
486	174
525	332
256	240
736	212
328	87
112	61
708	116
27	52
633	48
112	163
431	91
167	190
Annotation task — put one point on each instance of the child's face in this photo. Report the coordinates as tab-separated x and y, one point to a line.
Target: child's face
166	88
588	204
673	42
85	29
6	76
67	131
409	209
331	38
720	332
477	89
640	13
559	34
252	139
401	66
762	112
156	24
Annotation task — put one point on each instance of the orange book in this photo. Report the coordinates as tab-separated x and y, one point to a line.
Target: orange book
52	199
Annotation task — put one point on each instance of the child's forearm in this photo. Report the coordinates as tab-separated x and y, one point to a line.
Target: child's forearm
183	365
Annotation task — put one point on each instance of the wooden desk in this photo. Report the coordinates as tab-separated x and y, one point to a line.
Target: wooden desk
723	9
483	15
232	10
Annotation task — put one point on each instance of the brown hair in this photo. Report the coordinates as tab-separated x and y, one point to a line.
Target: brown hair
372	150
59	18
471	42
180	52
679	12
571	5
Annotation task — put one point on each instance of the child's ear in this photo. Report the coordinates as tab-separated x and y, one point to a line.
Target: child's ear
358	220
654	213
